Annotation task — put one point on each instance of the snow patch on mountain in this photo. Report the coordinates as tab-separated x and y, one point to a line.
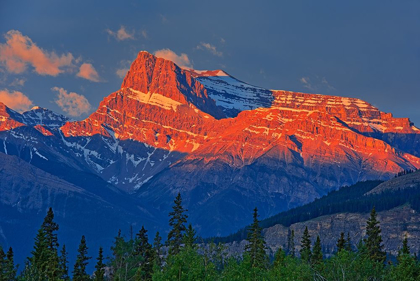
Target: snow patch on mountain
155	99
234	95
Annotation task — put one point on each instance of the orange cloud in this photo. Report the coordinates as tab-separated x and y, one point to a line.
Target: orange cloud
15	100
121	34
181	60
212	49
20	51
88	72
72	103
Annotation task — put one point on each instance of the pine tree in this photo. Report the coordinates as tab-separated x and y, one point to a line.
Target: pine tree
44	260
291	243
341	243
177	222
79	271
189	237
157	248
144	251
348	243
317	252
256	244
373	241
405	250
2	265
100	266
279	257
9	266
305	246
63	264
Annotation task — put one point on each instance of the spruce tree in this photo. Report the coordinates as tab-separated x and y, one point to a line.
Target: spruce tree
305	246
157	248
177	222
79	271
44	260
63	264
317	252
2	265
189	237
348	243
341	243
291	243
9	268
373	241
279	258
100	266
143	250
256	244
405	249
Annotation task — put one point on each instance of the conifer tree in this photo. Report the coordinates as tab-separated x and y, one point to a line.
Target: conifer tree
348	243
305	246
157	248
2	264
79	271
63	264
405	249
317	252
177	222
143	250
9	267
291	243
44	260
373	241
256	244
279	257
341	243
100	266
189	238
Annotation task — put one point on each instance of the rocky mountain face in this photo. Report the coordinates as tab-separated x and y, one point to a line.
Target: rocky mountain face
396	224
227	146
83	204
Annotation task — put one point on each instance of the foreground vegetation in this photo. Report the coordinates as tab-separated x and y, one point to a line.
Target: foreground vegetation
182	258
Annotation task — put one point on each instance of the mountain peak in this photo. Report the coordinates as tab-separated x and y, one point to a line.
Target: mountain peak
150	77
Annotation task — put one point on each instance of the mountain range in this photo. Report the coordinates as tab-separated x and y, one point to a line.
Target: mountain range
225	145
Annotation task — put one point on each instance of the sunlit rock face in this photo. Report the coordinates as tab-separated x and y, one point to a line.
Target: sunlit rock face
227	146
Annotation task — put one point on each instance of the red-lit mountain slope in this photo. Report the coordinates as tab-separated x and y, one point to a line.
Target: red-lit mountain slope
226	145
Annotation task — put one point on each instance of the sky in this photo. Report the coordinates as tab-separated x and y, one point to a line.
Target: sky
68	55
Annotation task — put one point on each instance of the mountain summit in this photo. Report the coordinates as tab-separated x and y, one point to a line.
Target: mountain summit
227	146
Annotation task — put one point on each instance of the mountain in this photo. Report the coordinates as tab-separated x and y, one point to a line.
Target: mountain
347	210
227	146
92	208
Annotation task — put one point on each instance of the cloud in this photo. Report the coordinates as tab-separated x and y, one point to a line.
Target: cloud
15	100
181	60
212	49
123	69
19	51
71	103
144	34
88	72
163	19
121	34
316	84
121	72
18	82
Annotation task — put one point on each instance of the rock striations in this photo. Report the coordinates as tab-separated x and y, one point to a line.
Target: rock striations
227	146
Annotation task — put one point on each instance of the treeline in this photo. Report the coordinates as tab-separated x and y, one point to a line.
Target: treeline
406	172
182	258
350	199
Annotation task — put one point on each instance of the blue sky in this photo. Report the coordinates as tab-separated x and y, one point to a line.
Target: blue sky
363	49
